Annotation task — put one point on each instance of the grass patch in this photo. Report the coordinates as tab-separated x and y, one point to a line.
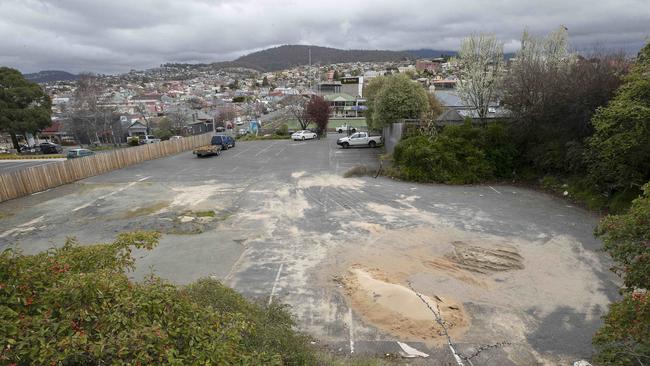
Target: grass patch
206	213
143	211
28	157
357	171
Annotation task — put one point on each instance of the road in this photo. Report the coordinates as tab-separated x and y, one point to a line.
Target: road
508	264
7	166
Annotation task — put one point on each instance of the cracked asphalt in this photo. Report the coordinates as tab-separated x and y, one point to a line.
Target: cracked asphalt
287	226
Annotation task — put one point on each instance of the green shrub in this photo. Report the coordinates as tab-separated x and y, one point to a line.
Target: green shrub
458	155
75	305
283	130
134	141
623	339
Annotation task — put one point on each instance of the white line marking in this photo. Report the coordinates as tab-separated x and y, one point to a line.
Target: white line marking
275	283
26	226
110	194
492	188
351	331
265	149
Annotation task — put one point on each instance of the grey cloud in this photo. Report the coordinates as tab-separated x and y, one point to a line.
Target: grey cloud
117	35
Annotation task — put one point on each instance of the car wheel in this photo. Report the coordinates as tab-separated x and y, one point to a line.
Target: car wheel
340	131
372	144
303	138
225	147
345	145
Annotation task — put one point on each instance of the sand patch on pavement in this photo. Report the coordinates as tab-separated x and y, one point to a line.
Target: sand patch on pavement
481	268
330	180
398	310
192	196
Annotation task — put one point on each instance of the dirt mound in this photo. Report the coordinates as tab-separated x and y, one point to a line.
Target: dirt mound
485	260
398	310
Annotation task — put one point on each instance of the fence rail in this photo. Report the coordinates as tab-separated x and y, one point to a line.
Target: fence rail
42	177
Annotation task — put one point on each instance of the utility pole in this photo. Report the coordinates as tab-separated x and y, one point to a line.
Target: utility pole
309	68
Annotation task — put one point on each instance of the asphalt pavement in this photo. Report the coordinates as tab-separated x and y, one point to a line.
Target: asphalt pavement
288	227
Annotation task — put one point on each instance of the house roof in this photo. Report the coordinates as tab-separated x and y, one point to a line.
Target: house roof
55	127
137	124
339	97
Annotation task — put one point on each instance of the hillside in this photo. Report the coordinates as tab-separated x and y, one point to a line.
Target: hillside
284	57
50	76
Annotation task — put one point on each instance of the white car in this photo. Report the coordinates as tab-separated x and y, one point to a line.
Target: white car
303	135
176	138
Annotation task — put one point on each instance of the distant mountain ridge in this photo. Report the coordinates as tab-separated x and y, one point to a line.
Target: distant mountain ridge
282	58
288	56
47	76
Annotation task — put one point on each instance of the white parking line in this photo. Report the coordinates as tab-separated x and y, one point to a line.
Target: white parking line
351	331
265	149
275	283
492	188
110	194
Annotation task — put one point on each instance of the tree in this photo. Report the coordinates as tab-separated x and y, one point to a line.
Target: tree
85	113
318	112
265	81
177	118
370	91
399	98
552	95
480	61
295	107
24	106
623	339
336	75
224	115
619	151
428	125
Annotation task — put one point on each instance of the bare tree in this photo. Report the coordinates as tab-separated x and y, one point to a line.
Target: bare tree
553	93
480	61
177	118
224	115
85	114
295	107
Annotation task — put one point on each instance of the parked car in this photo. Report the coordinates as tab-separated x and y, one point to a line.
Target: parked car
360	139
30	150
345	128
148	139
175	138
79	153
225	141
242	132
50	148
303	135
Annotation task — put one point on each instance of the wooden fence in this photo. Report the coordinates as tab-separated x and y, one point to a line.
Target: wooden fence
42	177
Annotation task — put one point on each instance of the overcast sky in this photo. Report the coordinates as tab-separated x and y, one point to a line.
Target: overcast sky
119	35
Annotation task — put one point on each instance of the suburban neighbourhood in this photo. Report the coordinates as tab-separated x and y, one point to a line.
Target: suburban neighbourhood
483	203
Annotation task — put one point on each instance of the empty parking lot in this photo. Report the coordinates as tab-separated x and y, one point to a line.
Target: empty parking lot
504	264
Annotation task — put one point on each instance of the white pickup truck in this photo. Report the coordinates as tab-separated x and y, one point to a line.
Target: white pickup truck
345	128
360	139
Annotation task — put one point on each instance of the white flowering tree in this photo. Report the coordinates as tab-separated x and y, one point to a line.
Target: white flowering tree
480	64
